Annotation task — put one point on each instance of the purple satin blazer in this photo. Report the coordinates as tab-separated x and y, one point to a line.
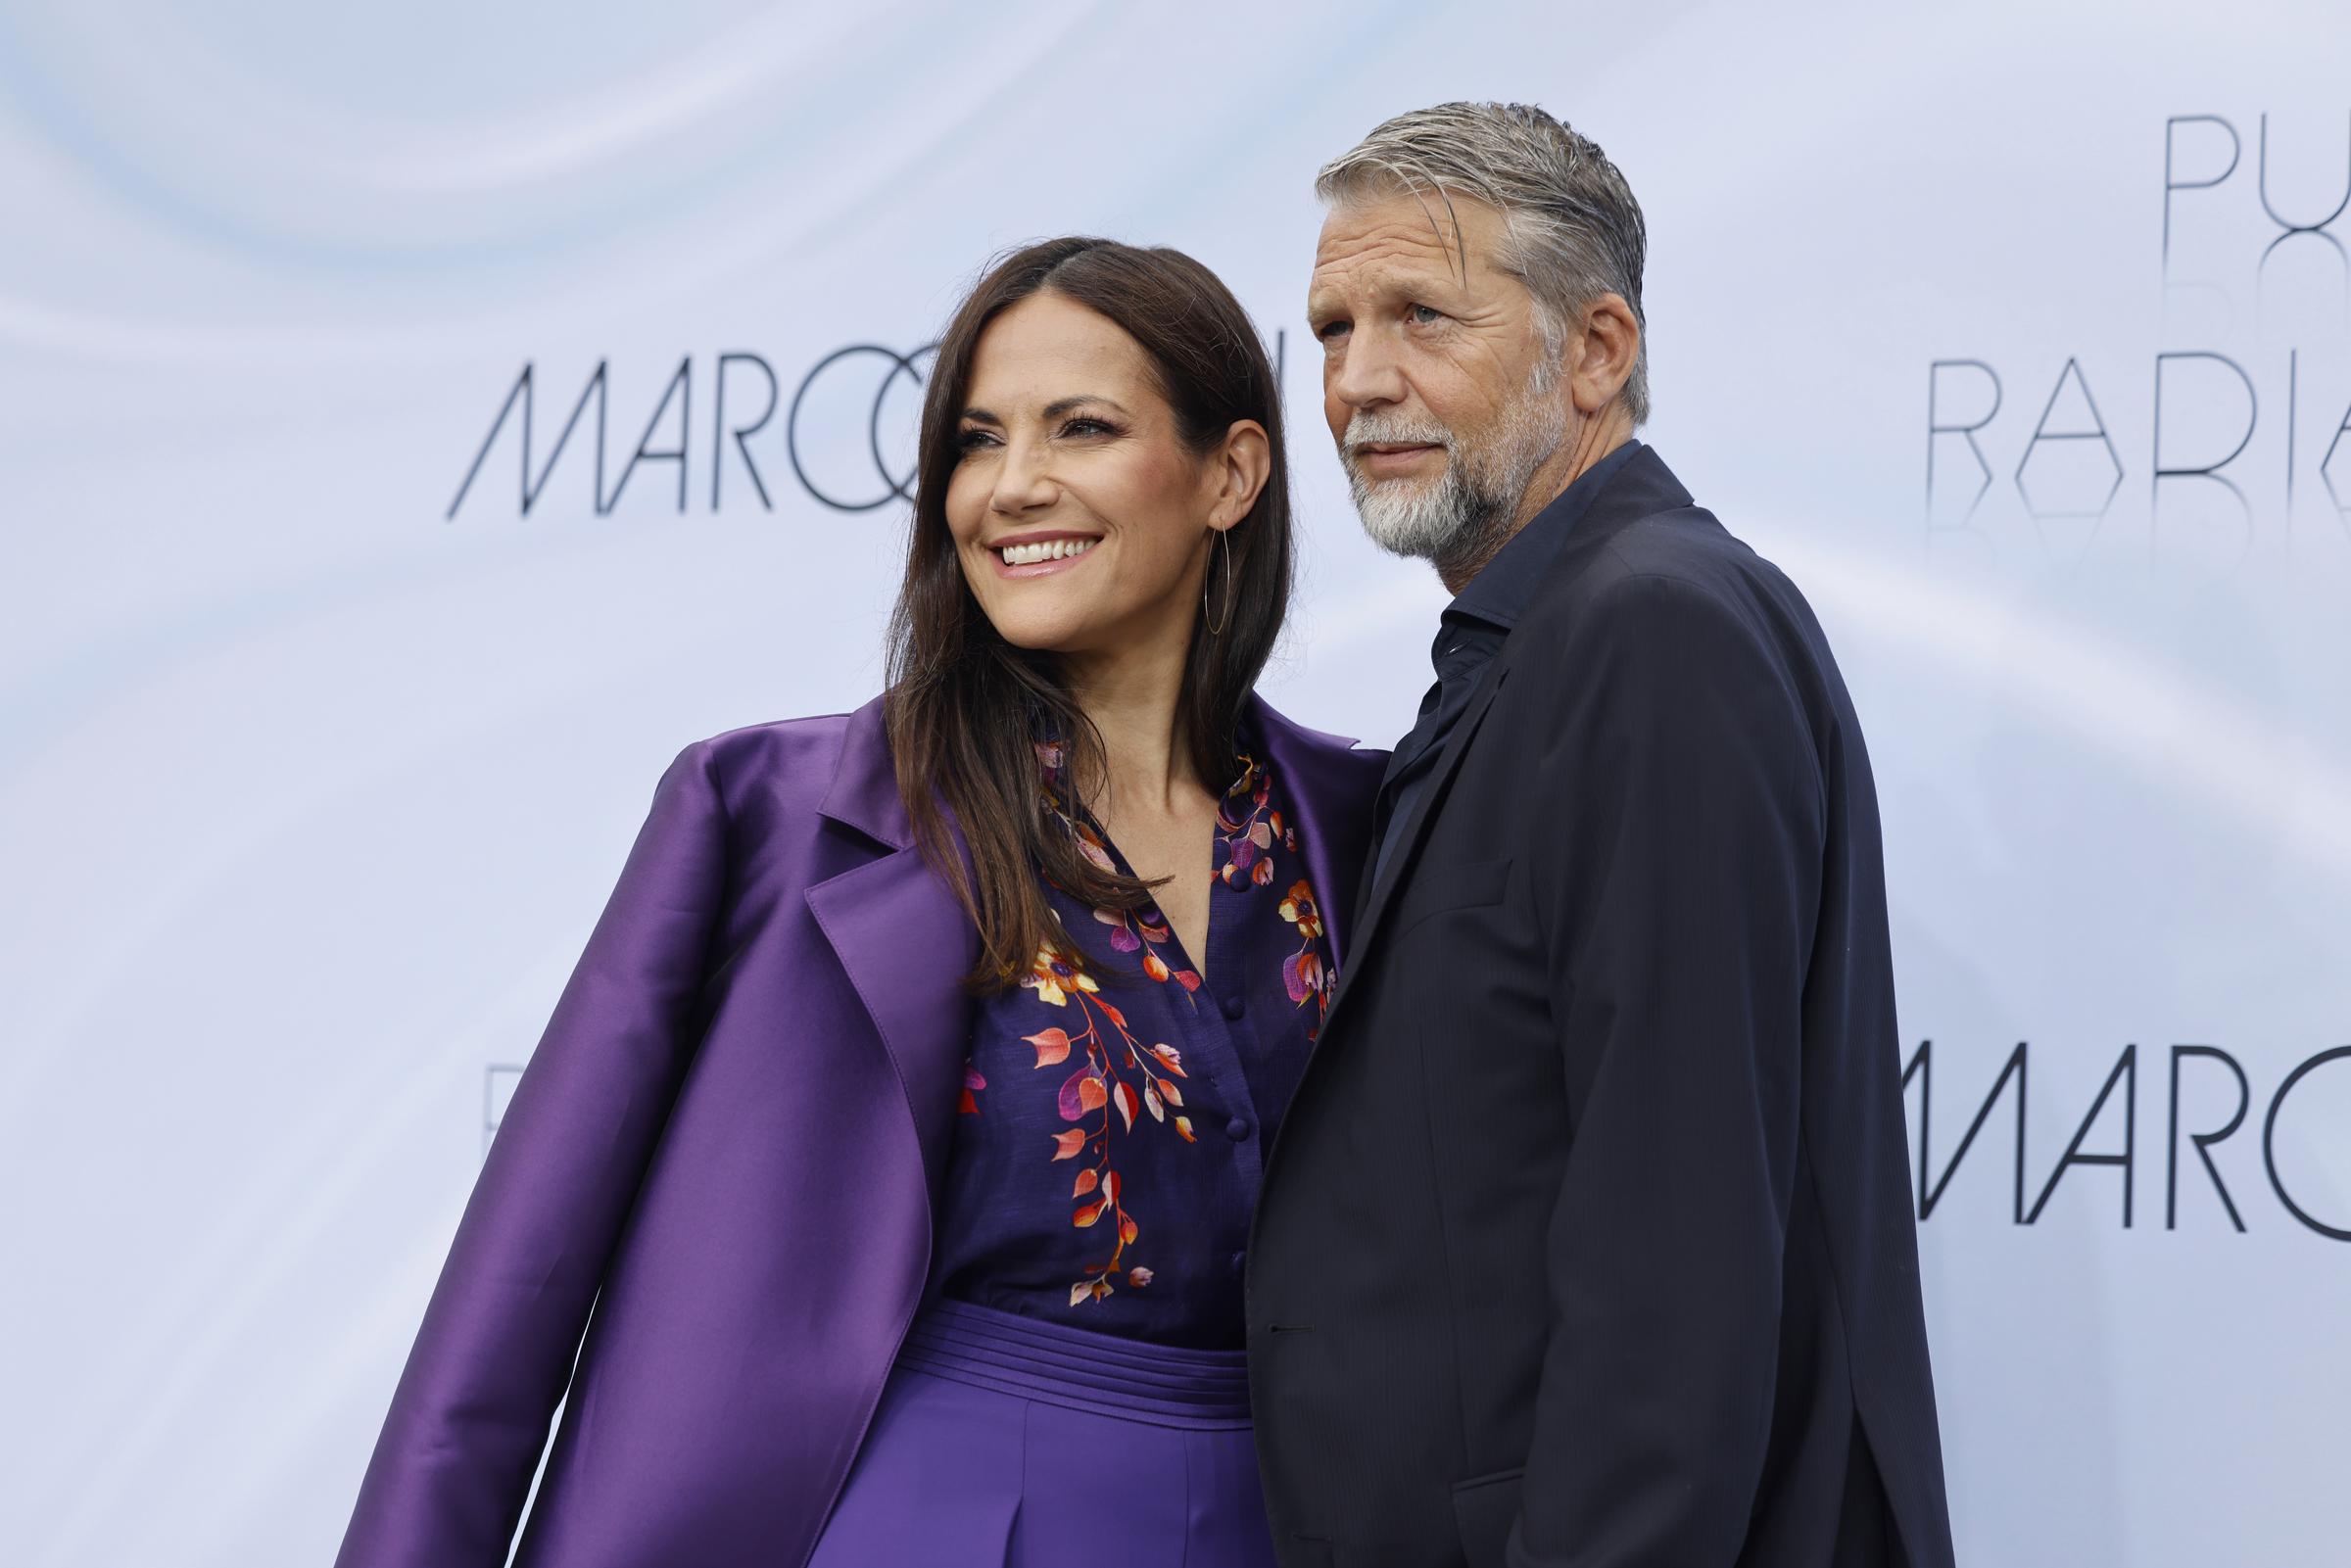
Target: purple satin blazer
728	1143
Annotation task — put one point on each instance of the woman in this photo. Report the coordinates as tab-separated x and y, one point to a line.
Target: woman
903	1119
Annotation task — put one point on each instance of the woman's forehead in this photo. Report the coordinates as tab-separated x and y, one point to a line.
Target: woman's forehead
1047	349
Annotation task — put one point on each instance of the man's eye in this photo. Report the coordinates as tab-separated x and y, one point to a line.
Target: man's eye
1424	316
1331	331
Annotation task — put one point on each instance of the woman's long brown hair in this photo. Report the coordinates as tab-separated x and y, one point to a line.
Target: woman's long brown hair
966	708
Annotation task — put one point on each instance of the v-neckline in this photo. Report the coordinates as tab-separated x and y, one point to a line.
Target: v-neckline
1126	867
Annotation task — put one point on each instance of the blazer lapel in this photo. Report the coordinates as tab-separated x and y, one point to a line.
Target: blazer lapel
1382	893
900	935
1643	488
1326	784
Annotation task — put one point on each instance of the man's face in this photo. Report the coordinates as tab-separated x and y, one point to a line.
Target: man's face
1437	382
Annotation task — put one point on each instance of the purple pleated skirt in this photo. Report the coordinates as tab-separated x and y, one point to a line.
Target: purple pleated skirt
1005	1442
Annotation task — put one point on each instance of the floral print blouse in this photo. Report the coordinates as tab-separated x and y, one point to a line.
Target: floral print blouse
1116	1117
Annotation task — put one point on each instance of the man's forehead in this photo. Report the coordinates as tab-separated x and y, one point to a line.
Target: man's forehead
1403	236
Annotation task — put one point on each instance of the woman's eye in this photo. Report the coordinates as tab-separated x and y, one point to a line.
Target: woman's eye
973	440
1424	316
1087	427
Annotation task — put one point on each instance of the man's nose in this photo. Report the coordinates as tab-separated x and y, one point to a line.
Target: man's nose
1367	374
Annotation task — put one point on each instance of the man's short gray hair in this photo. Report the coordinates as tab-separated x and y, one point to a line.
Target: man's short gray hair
1574	231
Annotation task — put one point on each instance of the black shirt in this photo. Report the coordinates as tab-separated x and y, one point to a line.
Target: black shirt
1472	630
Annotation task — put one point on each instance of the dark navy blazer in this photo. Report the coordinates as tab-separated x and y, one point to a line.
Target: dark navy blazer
1589	1242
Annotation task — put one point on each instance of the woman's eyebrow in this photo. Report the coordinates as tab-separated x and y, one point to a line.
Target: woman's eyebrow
1061	405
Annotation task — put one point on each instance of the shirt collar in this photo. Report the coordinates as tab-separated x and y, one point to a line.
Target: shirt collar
1498	595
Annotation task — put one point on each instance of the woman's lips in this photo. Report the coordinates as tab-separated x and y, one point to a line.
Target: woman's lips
1040	555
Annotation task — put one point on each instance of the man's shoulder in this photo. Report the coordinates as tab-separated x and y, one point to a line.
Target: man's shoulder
1682	555
1669	587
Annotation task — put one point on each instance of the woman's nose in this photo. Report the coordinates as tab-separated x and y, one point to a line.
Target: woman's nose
1023	481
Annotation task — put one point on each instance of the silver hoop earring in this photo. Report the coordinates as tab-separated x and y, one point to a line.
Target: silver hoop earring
1223	538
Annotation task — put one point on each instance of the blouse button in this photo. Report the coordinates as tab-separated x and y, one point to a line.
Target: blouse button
1233	1006
1237	1129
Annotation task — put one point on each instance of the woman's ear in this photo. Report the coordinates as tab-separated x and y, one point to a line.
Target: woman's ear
1237	471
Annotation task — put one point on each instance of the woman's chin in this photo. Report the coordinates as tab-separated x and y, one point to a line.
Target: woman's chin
1049	632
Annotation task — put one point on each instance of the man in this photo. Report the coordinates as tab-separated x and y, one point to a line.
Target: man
1588	1243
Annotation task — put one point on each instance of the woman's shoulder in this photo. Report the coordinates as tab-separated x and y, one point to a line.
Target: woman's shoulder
787	767
791	745
1286	734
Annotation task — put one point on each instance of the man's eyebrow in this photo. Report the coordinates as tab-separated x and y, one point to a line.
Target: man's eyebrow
1381	281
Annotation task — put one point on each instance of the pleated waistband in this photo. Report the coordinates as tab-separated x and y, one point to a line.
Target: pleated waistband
1079	1369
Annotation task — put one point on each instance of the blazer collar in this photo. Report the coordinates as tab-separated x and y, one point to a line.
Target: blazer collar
864	791
1643	488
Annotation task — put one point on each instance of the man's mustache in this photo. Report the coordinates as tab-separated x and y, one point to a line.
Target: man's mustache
1390	430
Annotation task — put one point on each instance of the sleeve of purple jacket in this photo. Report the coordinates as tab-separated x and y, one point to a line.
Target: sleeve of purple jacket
454	1463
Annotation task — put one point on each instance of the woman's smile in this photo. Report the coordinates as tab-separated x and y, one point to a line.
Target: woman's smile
1040	555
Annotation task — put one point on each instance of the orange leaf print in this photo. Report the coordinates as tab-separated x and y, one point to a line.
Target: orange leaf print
1090	1214
1067	1144
1153	967
1127	1230
1110	1188
1183	1130
1091	1095
1087	1181
1126	1102
1171	1058
1053	1045
1169	1093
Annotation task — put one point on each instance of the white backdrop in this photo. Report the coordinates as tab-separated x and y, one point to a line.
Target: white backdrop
312	785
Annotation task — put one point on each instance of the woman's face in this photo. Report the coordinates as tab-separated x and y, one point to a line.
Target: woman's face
1081	519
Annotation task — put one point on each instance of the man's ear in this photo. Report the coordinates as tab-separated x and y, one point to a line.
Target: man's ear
1602	354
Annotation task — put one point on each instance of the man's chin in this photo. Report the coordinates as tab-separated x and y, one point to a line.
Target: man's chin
1401	533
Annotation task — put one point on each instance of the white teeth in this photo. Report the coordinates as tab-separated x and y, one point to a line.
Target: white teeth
1051	550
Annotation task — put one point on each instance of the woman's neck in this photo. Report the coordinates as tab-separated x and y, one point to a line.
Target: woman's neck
1131	699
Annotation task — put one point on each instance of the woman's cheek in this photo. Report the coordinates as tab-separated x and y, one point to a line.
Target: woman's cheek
962	523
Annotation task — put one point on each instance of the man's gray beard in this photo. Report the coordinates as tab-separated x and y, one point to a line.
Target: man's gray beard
1459	518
